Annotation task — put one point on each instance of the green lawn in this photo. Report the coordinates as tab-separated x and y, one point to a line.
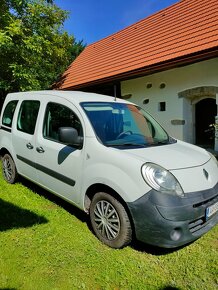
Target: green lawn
46	244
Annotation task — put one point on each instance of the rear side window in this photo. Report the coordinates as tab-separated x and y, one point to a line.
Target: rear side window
9	113
27	116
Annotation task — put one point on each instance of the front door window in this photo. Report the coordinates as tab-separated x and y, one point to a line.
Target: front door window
57	116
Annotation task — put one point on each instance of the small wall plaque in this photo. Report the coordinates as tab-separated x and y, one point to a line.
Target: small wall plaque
178	122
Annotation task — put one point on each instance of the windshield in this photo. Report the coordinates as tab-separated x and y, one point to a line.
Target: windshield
120	124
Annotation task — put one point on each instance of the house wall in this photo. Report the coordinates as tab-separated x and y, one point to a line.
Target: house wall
178	118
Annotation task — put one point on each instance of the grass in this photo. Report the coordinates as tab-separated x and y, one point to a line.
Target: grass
46	244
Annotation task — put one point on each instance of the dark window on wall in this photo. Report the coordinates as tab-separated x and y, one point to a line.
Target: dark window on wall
146	101
162	106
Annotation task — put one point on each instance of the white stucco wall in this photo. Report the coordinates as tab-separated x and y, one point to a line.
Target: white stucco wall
200	74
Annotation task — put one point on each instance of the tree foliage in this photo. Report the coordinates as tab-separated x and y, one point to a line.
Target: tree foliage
34	49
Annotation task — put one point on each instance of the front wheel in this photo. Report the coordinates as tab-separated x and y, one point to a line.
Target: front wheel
110	221
9	169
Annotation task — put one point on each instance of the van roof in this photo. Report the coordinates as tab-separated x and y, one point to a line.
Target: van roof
72	96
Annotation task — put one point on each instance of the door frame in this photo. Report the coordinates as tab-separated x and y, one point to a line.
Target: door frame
191	97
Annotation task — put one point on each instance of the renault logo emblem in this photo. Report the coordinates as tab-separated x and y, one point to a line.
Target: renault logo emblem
206	174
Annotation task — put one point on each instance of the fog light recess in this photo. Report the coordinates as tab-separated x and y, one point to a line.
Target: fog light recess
176	234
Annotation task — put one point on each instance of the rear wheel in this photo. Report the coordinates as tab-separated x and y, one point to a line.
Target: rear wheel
110	220
9	169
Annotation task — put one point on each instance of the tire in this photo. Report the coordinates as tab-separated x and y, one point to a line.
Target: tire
9	169
110	221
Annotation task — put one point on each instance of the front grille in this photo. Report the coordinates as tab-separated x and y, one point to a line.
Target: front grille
207	202
196	225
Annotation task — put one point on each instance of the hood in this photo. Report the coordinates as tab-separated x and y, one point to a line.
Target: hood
172	156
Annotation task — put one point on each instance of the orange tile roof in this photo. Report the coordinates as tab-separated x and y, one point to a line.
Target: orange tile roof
183	30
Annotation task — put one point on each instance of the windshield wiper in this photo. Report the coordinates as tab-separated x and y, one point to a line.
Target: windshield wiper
165	141
127	144
162	142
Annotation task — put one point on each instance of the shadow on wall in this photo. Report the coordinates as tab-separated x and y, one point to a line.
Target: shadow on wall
13	217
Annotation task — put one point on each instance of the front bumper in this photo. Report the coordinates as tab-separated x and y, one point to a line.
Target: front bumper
170	221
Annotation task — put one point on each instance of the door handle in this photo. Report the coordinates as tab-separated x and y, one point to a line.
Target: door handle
29	146
40	149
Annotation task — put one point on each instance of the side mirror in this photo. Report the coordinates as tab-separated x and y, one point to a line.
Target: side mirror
69	135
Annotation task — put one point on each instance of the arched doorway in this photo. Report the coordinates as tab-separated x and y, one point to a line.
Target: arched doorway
205	112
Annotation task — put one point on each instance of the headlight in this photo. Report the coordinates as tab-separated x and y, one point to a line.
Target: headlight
161	179
213	158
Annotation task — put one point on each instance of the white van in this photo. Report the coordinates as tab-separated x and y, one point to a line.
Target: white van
114	161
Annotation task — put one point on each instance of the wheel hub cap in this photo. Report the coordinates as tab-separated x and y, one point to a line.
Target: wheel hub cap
107	220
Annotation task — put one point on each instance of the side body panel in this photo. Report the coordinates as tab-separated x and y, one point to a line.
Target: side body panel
59	167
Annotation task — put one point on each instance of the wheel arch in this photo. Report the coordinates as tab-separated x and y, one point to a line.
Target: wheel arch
4	151
99	187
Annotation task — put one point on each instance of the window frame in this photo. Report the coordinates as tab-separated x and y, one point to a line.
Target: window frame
45	120
19	127
11	111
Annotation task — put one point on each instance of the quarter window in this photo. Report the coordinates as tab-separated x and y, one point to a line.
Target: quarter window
27	116
57	116
9	113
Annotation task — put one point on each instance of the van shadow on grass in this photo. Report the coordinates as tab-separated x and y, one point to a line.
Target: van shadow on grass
7	288
170	288
73	210
83	217
153	250
14	217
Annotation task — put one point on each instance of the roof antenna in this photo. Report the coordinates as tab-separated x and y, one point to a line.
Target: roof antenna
115	93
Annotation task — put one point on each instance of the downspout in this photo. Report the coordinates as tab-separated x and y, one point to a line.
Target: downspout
115	92
216	127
